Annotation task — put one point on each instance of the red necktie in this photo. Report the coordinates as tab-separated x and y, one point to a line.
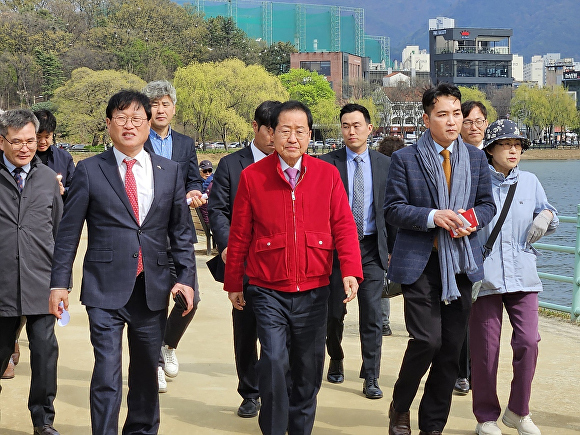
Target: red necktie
131	189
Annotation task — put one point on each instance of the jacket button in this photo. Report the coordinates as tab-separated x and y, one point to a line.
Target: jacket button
268	244
139	232
320	242
135	255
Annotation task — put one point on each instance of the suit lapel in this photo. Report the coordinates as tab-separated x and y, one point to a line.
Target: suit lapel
110	170
377	173
340	163
158	179
176	149
430	184
246	158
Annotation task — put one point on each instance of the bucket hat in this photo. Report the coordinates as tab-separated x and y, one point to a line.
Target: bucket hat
504	129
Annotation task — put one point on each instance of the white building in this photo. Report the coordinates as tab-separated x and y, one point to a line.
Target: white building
534	71
414	59
518	68
441	23
391	80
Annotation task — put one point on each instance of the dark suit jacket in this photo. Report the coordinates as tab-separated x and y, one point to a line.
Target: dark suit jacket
223	193
379	168
409	198
97	196
183	152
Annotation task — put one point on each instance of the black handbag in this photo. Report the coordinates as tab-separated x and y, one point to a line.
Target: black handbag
390	288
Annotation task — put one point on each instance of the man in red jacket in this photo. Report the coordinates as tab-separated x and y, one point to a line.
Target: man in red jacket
291	211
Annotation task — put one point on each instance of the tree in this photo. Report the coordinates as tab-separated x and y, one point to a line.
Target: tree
227	41
52	74
325	116
219	98
474	94
82	100
307	87
561	110
530	106
276	58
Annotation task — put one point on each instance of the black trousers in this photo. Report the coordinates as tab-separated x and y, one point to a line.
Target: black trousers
246	348
144	333
177	323
464	361
369	306
43	362
437	332
291	329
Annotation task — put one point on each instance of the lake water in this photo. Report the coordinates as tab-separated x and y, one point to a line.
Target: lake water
561	181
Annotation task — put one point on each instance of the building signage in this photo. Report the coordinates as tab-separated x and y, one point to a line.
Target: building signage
571	75
465	34
439	32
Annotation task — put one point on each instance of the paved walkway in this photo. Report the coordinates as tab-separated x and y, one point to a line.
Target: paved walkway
202	399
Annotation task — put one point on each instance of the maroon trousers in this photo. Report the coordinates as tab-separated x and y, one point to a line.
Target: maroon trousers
484	336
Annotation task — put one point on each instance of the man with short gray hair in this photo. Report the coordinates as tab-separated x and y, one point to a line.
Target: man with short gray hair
31	212
166	142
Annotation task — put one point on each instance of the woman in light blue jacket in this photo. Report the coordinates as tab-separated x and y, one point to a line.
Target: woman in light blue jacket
510	281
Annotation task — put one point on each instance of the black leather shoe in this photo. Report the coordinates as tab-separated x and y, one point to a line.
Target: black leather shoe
461	386
387	331
335	372
47	429
399	422
249	408
371	389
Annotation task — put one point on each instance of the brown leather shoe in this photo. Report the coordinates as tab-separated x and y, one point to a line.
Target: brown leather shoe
432	432
9	372
399	422
16	354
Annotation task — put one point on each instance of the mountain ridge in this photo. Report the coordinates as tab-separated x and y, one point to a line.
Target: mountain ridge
539	27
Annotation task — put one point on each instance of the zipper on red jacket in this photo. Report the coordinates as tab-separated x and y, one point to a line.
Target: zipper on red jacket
295	239
295	235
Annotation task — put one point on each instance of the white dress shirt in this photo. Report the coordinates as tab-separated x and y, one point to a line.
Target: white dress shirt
143	173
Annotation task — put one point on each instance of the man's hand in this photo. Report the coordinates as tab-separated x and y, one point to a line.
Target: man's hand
224	254
448	219
350	288
56	296
196	198
237	300
60	186
187	292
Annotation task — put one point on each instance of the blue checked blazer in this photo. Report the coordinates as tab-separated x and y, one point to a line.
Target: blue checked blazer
410	196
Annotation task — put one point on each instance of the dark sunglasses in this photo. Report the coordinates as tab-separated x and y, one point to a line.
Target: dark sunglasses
207	171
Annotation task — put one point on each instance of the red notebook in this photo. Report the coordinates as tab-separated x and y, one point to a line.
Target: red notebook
469	220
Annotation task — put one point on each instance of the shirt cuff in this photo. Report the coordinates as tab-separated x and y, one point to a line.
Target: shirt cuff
431	219
61	288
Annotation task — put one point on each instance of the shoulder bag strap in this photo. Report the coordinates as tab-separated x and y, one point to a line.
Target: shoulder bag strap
504	211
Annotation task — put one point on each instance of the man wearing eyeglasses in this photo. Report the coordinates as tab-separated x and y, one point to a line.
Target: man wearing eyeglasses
474	123
31	212
166	142
472	133
132	201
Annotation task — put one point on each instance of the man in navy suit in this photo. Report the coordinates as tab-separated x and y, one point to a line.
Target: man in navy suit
220	206
166	142
428	184
132	201
356	126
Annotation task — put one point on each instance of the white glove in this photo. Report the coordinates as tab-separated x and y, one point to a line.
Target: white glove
539	226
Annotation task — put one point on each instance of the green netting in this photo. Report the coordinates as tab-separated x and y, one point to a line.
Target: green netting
250	21
285	24
347	34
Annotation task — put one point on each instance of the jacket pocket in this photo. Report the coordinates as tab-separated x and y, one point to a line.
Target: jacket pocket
99	255
162	259
270	262
319	248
